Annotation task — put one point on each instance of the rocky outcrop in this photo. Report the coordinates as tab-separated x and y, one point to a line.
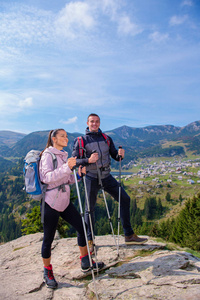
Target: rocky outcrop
161	274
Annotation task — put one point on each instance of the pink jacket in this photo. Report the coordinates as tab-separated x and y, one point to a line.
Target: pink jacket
57	199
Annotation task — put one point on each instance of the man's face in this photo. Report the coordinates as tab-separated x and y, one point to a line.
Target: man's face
93	123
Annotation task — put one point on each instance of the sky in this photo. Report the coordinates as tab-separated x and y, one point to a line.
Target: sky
133	62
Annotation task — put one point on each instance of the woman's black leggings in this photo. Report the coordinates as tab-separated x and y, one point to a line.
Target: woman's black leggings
51	216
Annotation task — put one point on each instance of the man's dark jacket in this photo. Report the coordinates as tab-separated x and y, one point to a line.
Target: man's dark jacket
94	141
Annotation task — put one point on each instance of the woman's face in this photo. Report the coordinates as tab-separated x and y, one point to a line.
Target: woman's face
60	140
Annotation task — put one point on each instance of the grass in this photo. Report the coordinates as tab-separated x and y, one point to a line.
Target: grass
171	247
16	249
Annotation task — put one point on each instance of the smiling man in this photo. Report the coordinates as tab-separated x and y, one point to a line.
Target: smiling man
98	150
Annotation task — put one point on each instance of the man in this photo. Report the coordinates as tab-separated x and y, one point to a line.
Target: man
97	152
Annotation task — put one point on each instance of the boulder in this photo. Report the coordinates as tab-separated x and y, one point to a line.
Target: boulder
139	272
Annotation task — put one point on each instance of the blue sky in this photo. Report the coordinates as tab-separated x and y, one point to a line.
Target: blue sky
135	63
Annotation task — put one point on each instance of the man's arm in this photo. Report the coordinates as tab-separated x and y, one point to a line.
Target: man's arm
114	153
75	153
84	161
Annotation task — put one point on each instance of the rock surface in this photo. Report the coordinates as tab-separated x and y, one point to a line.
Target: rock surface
161	274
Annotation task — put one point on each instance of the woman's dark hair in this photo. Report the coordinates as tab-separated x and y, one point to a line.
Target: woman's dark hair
52	133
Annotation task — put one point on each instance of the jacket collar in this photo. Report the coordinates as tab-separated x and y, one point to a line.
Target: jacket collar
93	133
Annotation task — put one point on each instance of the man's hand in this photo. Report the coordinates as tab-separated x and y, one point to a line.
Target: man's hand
121	152
81	171
71	162
93	158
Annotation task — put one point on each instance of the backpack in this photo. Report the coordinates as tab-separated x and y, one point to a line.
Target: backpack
33	186
82	150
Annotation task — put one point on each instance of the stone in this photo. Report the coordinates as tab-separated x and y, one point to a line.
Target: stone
160	274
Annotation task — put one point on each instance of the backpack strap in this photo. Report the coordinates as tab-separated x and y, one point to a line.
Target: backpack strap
54	158
106	138
81	146
55	164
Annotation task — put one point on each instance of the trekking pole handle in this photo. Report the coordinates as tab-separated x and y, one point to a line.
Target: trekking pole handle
120	147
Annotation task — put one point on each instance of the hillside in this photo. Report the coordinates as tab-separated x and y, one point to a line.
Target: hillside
9	138
35	140
5	164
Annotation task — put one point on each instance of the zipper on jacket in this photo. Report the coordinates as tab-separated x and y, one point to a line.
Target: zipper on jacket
101	154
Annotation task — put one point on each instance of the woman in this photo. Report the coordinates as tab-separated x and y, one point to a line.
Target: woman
57	201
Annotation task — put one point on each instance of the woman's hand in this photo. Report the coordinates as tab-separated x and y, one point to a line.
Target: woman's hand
81	171
71	162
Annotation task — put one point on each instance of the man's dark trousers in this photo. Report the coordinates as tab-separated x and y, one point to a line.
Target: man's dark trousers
111	185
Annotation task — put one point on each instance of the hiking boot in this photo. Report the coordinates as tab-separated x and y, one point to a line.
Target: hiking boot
91	246
49	278
85	264
133	239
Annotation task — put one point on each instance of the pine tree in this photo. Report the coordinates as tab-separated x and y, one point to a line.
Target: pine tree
168	197
184	229
159	207
180	199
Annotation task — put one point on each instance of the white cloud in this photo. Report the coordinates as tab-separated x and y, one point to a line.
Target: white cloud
110	7
69	121
114	10
11	104
178	20
74	19
187	3
125	26
158	37
27	25
28	102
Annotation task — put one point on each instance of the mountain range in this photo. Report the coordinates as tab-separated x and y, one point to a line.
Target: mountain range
162	140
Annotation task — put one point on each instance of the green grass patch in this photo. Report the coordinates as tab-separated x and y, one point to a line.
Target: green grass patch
16	249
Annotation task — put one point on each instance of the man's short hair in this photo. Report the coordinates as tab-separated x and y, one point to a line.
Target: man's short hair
93	115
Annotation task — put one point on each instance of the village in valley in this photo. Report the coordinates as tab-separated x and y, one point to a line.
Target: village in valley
177	169
159	176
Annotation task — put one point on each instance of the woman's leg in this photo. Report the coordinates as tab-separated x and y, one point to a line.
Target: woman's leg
50	223
46	261
72	216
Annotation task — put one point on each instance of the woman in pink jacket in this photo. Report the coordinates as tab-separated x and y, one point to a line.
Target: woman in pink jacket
57	201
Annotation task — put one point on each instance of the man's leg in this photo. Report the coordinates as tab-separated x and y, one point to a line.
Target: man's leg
112	187
92	190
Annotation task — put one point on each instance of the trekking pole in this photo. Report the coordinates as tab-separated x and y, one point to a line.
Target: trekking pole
119	201
104	196
90	220
85	232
